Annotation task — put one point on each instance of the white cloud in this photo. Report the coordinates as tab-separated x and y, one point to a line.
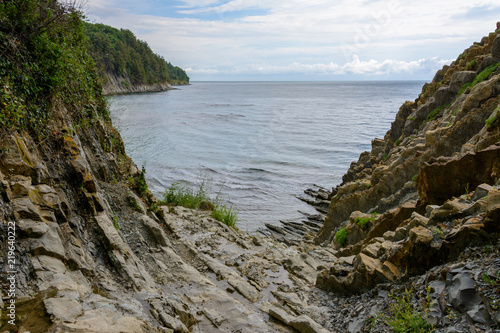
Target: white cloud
318	36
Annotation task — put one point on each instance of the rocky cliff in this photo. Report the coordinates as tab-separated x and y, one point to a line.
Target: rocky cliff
115	85
427	194
86	248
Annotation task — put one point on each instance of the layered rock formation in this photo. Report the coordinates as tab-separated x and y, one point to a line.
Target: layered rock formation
116	85
427	192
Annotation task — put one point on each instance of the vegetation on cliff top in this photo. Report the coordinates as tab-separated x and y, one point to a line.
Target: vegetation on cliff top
44	59
120	53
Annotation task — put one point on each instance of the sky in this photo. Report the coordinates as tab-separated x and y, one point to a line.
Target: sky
298	40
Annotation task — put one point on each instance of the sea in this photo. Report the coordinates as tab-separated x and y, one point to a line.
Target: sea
258	145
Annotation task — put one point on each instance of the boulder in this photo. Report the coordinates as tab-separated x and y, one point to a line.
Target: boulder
481	191
460	78
462	294
481	92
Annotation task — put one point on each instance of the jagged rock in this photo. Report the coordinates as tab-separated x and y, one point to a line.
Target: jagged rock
432	136
304	324
444	178
481	192
488	61
33	229
463	295
66	310
289	299
450	209
155	230
481	92
297	265
49	243
458	79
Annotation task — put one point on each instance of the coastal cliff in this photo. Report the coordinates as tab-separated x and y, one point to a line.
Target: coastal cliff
126	64
87	248
115	85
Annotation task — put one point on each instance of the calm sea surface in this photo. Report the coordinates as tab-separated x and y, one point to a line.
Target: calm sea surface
260	143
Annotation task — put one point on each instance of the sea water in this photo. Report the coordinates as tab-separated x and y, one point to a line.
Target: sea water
259	144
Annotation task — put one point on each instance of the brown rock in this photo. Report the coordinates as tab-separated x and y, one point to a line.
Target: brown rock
492	217
441	179
420	235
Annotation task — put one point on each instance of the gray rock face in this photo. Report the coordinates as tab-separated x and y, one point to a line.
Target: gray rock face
462	292
460	78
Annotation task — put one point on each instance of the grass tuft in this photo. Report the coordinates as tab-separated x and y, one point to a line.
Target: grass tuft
404	317
485	74
341	236
180	195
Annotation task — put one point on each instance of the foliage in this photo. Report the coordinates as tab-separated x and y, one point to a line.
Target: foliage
180	195
225	214
138	182
116	222
119	52
485	74
403	317
494	281
341	236
432	115
471	64
491	120
362	222
44	59
414	178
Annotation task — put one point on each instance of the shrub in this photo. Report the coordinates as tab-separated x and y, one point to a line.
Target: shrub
44	59
362	222
138	182
403	317
225	214
341	236
179	195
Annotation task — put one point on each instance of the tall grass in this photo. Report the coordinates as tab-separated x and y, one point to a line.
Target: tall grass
181	195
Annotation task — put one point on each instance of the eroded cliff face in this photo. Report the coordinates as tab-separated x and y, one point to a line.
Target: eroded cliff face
116	85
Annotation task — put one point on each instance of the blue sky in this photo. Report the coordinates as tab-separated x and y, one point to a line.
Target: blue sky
303	40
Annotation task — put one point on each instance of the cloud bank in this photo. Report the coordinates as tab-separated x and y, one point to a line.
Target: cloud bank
322	39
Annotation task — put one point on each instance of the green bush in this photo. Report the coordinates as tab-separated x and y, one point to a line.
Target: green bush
44	59
225	214
362	222
180	195
403	317
341	236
